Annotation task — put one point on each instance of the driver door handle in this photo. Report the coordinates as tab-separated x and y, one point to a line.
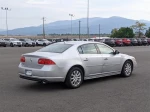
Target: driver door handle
86	59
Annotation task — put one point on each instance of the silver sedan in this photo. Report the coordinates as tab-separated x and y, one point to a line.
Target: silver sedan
73	62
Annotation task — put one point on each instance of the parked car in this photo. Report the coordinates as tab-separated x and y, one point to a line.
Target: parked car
148	40
110	42
13	42
144	41
139	41
2	43
118	42
134	42
126	42
42	42
27	42
73	62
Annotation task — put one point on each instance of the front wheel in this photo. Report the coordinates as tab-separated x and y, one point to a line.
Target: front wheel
127	69
74	78
11	45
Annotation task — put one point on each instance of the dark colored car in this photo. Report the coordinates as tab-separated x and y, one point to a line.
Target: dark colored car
2	43
110	42
148	40
139	41
126	42
144	41
134	42
118	42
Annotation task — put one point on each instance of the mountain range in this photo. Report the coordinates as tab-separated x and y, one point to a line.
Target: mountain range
63	27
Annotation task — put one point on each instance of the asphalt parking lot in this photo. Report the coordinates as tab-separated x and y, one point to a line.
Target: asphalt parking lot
110	94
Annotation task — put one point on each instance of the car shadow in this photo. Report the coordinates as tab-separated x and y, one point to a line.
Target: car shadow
34	86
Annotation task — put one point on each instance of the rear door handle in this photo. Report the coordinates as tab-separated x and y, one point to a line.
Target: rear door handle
85	59
106	59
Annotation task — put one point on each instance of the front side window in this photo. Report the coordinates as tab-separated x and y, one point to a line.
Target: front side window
89	49
104	49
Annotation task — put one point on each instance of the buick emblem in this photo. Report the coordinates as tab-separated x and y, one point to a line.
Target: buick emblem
30	59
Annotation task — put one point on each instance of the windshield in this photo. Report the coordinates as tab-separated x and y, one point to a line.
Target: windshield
55	48
28	40
14	40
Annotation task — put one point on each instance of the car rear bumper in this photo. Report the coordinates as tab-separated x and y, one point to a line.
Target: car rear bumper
48	73
46	79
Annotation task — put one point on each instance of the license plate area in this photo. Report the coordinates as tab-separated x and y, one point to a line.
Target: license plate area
28	72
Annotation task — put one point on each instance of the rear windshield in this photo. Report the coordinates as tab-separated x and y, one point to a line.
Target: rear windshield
55	48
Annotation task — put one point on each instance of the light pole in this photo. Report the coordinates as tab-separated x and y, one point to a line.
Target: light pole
99	31
71	15
43	26
6	9
88	19
79	28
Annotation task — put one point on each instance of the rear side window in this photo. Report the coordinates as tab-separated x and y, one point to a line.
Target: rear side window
88	49
55	48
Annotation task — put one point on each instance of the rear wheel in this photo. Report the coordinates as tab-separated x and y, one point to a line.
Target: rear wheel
44	44
26	45
11	44
127	69
74	78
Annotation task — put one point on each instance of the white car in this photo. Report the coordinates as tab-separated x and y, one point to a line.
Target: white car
42	42
13	42
73	62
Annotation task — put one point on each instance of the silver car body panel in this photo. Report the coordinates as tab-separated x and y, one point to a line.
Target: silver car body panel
94	65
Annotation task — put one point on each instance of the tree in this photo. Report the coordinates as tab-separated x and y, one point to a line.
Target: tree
139	28
124	32
147	34
114	33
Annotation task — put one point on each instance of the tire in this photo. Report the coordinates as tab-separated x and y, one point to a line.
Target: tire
37	44
44	44
72	80
11	45
127	69
26	45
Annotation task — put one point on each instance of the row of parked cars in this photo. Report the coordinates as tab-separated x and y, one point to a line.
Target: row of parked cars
44	42
125	41
24	42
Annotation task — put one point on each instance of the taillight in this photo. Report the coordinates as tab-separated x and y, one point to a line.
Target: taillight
22	59
44	61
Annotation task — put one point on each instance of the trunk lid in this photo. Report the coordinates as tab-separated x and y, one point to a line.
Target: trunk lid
31	59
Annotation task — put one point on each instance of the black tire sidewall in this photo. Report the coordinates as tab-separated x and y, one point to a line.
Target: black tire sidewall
68	82
123	69
11	44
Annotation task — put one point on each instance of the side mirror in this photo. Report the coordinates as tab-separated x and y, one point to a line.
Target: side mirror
116	52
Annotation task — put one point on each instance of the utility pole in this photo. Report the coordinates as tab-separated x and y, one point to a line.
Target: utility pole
43	26
71	15
88	18
79	29
6	9
99	31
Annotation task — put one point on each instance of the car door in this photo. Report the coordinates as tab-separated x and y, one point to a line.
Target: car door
91	59
112	63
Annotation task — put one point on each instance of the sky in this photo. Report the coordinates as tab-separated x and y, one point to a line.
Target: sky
25	13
